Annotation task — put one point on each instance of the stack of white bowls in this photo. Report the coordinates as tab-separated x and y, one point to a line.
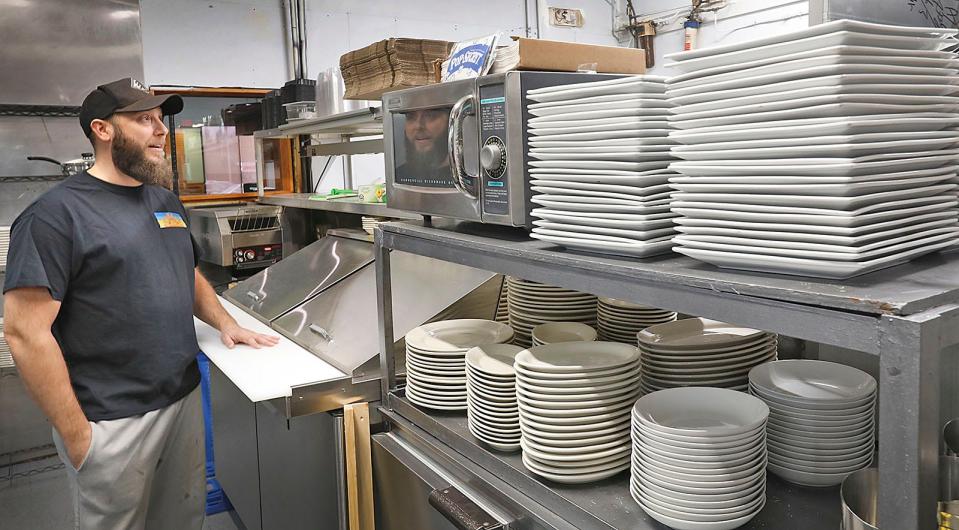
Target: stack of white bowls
830	151
620	321
532	303
699	457
435	359
702	352
821	419
574	402
599	166
552	332
492	414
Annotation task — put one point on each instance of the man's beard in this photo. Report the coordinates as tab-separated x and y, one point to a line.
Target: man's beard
427	163
132	161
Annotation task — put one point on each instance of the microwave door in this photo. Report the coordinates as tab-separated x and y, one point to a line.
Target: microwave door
464	182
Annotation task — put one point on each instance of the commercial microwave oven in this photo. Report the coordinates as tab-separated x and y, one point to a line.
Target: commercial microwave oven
460	149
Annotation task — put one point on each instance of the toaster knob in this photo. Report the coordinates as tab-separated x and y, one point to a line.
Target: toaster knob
491	157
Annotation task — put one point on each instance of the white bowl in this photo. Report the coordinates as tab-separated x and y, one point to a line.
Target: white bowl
699	516
551	450
579	479
826	421
864	439
680	524
851	464
712	461
691	485
571	466
656	441
807	479
789	427
696	333
825	414
680	496
671	437
820	454
806	380
694	506
812	406
580	458
816	435
576	357
675	473
574	470
701	411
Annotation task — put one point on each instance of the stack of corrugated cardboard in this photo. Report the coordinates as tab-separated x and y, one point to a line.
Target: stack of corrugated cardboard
389	65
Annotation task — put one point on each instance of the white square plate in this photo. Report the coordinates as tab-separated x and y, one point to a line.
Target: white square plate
591	164
640	250
611	98
622	112
721	234
632	104
816	111
655	122
656	193
864	165
913	217
909	64
872	124
537	142
624	85
826	149
805	189
665	229
904	57
639	203
777	246
603	133
797	105
625	156
580	187
922	85
819	140
905	211
806	267
863	89
814	205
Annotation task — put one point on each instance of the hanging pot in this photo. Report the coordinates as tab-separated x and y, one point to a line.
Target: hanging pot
70	167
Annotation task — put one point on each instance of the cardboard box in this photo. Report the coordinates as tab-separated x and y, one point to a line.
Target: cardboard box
537	54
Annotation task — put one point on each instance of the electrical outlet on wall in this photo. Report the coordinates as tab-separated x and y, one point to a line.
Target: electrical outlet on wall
562	16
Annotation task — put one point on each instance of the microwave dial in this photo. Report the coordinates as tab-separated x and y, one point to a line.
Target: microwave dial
493	157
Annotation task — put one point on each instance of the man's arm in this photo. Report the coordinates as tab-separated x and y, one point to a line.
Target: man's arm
207	307
28	317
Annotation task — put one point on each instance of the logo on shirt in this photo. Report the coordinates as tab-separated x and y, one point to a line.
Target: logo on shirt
169	220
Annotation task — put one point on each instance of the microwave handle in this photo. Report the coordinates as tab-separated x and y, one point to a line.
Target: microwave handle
463	106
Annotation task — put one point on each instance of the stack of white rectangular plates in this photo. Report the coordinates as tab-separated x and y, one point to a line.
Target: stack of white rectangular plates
599	166
620	321
701	352
531	304
574	400
436	359
829	152
822	420
699	457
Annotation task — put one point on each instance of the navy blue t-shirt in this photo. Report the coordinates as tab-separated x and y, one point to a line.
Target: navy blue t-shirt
120	260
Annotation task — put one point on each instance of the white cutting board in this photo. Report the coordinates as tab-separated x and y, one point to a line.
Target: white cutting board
265	373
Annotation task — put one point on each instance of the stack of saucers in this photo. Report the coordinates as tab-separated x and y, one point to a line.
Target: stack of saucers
492	413
574	402
701	352
553	332
821	419
620	321
369	223
502	305
599	166
828	152
435	359
699	457
531	304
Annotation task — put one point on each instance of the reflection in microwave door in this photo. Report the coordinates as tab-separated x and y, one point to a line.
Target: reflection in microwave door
421	147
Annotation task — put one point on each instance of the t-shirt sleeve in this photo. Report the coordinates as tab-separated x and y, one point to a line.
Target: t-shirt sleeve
40	255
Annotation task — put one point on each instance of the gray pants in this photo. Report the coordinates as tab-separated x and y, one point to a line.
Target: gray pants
142	472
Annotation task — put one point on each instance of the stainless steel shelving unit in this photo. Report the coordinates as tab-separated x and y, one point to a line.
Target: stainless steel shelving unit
905	315
340	128
353	206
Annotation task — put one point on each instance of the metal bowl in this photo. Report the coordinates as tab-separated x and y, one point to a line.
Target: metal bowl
860	496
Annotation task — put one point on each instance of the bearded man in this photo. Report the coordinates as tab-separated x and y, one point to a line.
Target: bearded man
101	288
427	148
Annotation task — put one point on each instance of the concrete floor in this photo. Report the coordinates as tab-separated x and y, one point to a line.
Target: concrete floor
41	501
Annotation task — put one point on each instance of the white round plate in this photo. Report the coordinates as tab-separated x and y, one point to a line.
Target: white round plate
493	359
803	478
458	335
579	479
576	379
805	380
586	455
696	334
575	424
699	410
553	332
583	356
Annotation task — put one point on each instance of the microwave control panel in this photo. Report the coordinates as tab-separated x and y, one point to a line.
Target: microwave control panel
493	159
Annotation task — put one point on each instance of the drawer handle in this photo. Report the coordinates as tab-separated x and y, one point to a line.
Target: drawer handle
460	510
321	332
254	296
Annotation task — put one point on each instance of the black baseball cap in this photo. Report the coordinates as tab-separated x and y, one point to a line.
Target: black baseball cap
124	95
